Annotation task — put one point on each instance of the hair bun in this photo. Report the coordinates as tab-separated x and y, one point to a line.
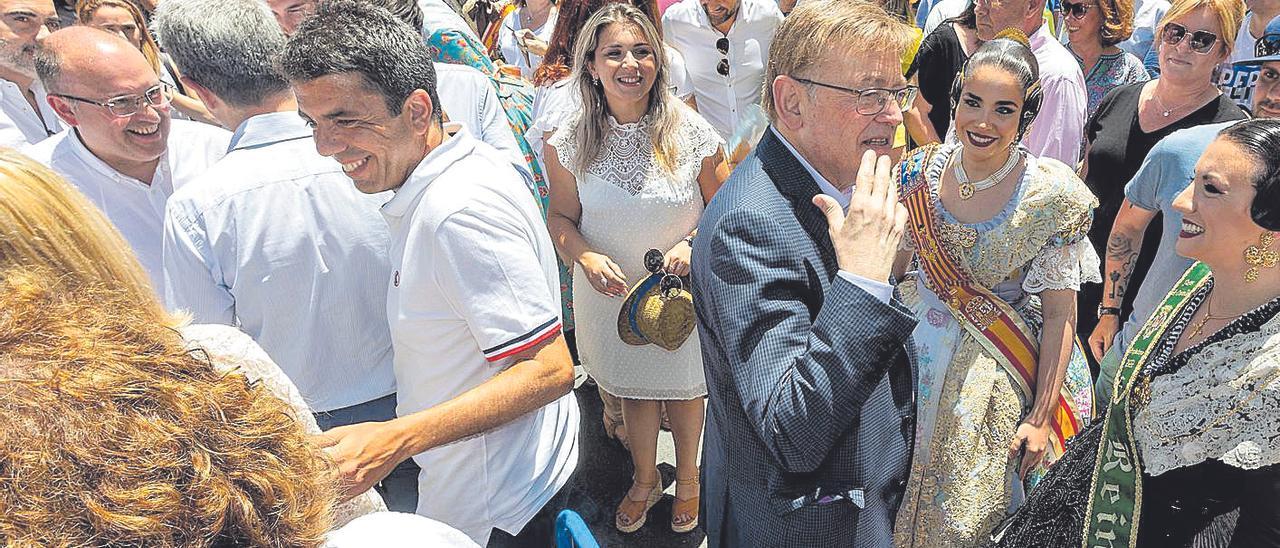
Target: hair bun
1016	35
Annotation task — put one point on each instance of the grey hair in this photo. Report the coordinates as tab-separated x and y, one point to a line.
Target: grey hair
406	10
227	46
48	67
345	36
663	110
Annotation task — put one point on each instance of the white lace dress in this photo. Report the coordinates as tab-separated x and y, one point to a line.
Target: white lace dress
629	206
232	351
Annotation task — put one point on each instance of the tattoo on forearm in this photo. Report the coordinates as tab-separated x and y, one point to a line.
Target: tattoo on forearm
1121	256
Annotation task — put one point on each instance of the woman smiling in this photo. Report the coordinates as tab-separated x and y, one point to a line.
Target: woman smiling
998	238
632	172
1188	453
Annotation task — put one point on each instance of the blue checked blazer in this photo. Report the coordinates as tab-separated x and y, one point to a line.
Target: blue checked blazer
810	379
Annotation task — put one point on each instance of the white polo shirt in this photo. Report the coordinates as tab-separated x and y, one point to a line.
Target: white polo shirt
474	282
722	98
134	207
19	123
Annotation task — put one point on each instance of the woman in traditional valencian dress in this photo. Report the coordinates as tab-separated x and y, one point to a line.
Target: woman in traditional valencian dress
999	250
1188	453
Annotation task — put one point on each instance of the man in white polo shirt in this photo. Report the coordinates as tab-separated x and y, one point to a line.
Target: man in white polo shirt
273	238
725	44
122	151
482	371
25	116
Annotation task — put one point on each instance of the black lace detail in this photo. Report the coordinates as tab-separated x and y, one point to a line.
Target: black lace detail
1053	515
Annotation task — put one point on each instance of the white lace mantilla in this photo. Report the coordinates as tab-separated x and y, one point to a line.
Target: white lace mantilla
627	160
1223	404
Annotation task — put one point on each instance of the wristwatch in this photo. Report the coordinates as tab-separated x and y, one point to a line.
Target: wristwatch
1108	311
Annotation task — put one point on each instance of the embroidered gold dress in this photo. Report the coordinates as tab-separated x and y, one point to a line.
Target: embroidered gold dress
962	481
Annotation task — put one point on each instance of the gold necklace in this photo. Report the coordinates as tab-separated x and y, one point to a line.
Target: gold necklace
1208	315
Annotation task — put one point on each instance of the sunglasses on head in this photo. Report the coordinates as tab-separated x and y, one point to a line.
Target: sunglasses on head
1076	10
1201	41
671	284
723	46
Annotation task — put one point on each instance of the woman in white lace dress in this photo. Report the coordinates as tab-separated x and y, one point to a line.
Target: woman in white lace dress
631	173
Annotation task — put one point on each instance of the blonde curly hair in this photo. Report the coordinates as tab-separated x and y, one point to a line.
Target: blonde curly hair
112	433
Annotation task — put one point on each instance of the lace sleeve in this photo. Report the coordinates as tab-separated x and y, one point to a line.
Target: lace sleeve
565	143
698	140
1063	267
232	351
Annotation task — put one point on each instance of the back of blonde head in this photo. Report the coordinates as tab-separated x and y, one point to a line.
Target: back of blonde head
46	223
830	31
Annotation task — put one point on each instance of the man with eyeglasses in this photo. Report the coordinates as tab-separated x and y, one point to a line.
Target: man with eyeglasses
1058	135
1165	172
122	151
811	398
725	44
25	117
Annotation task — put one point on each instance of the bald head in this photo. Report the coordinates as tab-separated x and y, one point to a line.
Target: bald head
79	55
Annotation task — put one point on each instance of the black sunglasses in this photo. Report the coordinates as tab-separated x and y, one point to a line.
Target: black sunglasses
1075	10
1202	41
1267	46
723	45
671	284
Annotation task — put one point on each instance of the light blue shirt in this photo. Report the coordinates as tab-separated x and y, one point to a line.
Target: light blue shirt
276	240
877	289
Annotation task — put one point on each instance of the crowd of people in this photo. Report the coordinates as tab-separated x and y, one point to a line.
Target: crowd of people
326	272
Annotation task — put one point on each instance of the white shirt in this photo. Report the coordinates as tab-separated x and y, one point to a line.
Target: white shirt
722	98
468	98
134	207
396	530
946	9
276	240
511	52
1236	82
475	282
438	16
877	289
19	123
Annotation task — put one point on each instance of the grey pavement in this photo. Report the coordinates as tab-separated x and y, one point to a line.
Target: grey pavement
604	475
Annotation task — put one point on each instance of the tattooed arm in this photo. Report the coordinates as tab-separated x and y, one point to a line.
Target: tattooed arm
1122	253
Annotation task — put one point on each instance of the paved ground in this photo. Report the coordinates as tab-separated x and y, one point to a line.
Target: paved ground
603	476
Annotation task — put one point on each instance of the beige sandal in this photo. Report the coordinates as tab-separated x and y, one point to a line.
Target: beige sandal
687	508
616	430
635	512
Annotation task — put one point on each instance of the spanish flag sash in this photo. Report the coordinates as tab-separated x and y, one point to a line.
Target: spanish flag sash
1115	494
996	326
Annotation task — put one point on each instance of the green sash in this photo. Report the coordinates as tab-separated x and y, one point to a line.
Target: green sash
1115	499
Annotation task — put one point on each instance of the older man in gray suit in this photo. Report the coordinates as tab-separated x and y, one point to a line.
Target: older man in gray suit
809	370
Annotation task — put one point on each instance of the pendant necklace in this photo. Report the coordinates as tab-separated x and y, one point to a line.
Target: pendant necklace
1208	315
1165	112
967	188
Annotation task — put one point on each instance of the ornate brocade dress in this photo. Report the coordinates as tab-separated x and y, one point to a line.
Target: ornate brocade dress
629	206
962	481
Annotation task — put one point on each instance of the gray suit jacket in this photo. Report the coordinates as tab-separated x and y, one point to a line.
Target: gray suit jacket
811	380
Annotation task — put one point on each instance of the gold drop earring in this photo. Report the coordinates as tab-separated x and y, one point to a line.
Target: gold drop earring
1260	256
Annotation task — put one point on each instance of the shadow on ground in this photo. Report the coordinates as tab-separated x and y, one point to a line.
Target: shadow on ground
603	476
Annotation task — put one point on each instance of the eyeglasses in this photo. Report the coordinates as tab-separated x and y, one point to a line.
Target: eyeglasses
1201	41
1076	11
125	106
871	101
723	45
1267	46
671	284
